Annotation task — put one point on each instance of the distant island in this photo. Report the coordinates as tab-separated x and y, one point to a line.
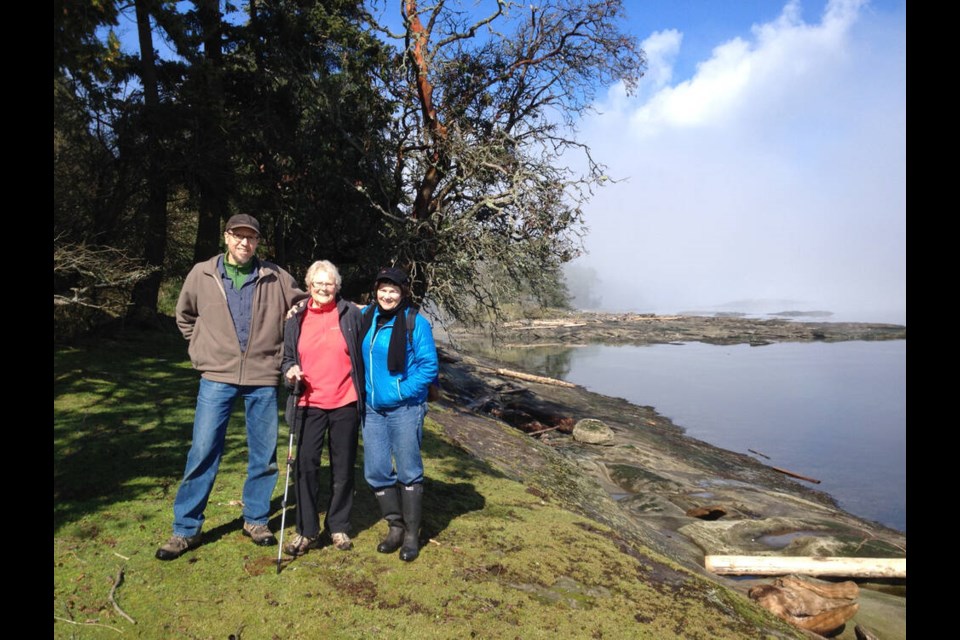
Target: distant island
803	314
578	327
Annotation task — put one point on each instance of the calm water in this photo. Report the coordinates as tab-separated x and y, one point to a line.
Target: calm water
835	412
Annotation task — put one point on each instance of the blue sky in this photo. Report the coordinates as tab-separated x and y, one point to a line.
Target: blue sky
762	162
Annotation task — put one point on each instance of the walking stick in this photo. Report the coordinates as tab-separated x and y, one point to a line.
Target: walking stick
286	487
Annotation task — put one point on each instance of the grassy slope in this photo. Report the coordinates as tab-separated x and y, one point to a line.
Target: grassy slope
501	563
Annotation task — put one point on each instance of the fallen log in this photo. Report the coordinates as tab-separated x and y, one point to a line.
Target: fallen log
807	565
529	377
795	475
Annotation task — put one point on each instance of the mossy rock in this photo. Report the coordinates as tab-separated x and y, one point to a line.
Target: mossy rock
592	431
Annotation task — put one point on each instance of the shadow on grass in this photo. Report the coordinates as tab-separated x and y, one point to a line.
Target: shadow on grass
123	417
213	535
123	421
442	501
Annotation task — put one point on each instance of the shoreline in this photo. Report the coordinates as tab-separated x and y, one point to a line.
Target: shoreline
677	495
813	407
573	327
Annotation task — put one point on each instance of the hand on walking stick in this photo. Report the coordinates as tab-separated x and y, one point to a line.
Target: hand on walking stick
297	390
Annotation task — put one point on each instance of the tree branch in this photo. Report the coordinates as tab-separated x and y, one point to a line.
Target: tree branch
113	590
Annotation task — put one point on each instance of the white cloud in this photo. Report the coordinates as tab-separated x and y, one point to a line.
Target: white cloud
783	57
661	49
776	171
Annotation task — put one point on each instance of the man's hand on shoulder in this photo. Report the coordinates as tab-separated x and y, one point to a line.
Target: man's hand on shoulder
295	308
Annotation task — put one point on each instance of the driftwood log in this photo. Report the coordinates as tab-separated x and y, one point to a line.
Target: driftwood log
795	475
807	565
816	607
529	377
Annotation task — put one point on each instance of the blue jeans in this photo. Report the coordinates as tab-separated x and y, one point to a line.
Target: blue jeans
393	436
214	404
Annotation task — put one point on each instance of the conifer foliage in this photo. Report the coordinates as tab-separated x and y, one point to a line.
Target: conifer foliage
437	137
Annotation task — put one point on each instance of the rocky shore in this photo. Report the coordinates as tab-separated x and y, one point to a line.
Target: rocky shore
634	328
656	486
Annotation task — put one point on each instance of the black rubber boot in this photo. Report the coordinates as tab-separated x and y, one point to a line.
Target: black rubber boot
412	498
389	500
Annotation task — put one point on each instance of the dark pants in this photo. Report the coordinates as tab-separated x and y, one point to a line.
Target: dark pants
343	426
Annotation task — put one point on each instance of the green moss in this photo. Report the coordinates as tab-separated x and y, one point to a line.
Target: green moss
868	548
634	479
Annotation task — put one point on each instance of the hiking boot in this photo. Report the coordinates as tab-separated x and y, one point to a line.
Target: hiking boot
176	546
342	542
300	545
259	533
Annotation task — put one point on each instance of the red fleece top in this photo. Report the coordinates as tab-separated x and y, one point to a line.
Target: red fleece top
324	360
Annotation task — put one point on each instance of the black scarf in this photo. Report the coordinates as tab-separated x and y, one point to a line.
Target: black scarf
397	351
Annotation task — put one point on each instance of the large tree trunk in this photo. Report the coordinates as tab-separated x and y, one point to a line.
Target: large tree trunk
425	205
147	291
214	176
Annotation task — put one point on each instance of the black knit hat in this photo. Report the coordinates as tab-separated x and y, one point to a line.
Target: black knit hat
394	275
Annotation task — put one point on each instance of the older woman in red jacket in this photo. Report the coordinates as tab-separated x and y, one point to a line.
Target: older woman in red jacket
322	354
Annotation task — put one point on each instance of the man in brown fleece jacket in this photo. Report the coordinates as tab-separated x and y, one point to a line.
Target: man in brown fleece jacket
231	309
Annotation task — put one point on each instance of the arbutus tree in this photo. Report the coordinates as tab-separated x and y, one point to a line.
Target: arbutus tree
477	198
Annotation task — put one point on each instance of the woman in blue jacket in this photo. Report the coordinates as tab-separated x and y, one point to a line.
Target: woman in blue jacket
400	360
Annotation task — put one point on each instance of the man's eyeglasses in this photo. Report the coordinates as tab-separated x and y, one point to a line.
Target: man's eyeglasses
239	237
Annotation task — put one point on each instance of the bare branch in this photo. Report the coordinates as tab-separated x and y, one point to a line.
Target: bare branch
471	31
92	285
113	590
88	624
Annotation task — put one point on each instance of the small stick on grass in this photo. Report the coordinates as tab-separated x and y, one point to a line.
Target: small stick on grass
116	583
91	624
